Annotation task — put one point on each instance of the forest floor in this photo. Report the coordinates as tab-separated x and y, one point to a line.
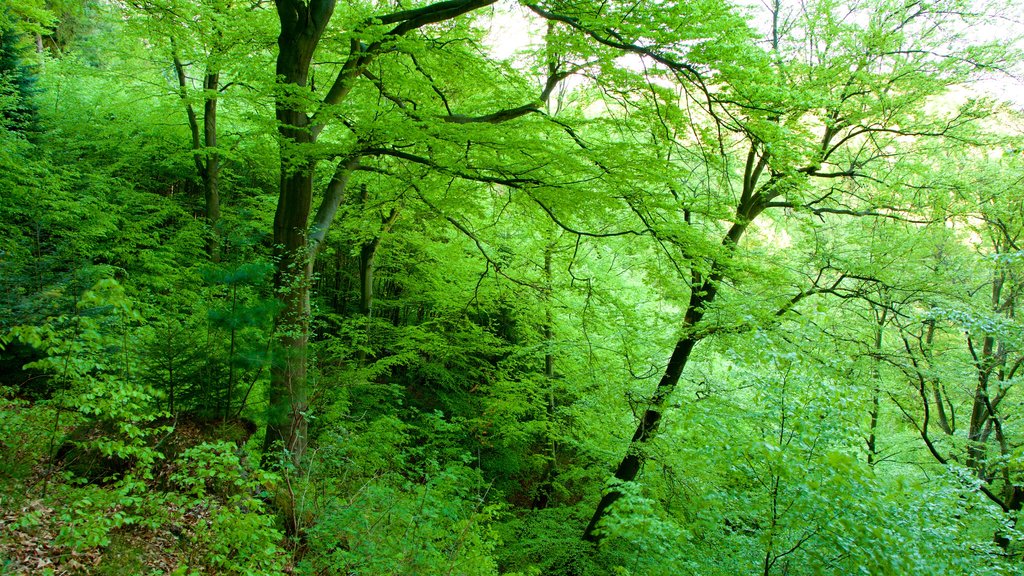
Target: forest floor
45	526
30	532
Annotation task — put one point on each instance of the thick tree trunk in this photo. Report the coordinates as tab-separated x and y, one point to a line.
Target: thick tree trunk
288	401
367	255
302	25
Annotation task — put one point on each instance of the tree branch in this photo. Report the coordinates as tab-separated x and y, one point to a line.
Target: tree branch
565	227
360	55
329	205
613	39
193	120
848	212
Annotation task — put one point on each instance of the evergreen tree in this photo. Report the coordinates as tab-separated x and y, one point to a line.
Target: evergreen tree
17	83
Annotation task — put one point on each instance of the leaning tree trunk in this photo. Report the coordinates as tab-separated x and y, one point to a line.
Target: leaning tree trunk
701	295
703	290
629	467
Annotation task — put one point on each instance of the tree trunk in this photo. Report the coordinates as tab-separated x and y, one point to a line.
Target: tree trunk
302	25
702	294
630	464
286	420
876	378
301	28
368	257
204	152
703	290
546	485
367	254
211	175
981	408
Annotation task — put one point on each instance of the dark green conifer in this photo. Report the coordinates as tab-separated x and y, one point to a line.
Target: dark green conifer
18	108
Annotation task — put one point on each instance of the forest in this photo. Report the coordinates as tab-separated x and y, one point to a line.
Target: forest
518	287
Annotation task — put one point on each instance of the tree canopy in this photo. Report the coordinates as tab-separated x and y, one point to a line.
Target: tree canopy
480	287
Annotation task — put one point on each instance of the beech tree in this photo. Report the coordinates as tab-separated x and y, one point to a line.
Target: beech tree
302	116
759	264
799	117
958	347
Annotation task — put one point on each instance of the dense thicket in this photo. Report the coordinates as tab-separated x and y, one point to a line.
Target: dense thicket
476	287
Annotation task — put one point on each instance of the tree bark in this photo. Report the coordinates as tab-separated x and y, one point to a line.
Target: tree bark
368	258
546	485
288	401
703	290
211	175
701	295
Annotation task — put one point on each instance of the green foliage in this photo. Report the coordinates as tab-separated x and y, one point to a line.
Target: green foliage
25	438
436	524
18	106
235	534
798	193
217	382
547	541
90	359
98	512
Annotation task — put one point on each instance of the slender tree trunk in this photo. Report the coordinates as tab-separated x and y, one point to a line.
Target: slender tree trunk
980	410
546	486
873	426
630	464
367	259
211	174
549	321
979	413
701	295
876	378
170	383
231	357
204	144
703	290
